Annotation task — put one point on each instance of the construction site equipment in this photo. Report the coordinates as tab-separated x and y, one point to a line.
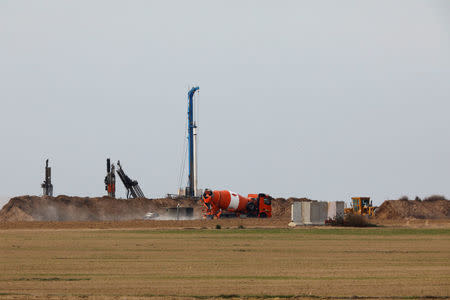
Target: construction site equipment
219	204
132	186
180	213
361	206
192	189
47	186
110	179
192	136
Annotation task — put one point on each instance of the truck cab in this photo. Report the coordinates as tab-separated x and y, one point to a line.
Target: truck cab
260	205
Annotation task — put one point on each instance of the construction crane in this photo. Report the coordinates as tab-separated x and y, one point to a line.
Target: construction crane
47	185
110	179
132	186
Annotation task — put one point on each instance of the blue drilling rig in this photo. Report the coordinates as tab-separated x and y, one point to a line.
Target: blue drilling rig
192	189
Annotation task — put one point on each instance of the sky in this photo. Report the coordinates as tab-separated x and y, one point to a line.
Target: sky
318	99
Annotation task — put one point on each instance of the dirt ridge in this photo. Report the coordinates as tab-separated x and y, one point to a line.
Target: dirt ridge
68	208
402	209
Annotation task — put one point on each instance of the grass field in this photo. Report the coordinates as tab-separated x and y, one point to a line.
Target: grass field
259	263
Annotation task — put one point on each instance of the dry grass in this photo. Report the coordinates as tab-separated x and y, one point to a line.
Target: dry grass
258	263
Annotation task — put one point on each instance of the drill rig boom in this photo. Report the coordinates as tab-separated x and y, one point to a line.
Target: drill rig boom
110	179
132	186
47	185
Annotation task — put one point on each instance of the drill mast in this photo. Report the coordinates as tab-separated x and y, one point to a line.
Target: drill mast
47	186
110	179
191	190
132	186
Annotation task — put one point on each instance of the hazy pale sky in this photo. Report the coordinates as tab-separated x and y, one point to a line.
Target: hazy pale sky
322	99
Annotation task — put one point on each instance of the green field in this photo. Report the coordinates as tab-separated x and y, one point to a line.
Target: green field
259	263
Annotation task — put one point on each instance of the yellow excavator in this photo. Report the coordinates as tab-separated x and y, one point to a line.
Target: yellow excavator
361	206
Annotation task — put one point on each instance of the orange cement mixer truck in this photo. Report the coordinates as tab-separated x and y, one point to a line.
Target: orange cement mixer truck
222	204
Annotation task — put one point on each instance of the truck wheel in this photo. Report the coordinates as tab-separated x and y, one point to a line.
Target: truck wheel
263	215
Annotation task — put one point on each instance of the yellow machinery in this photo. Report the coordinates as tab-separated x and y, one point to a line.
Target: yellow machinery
361	206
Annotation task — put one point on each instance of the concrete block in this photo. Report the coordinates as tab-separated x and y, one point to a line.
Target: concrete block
309	213
331	210
306	213
296	213
318	212
323	212
314	213
336	209
340	205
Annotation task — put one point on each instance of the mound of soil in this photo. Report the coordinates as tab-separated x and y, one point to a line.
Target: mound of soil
403	209
281	208
65	208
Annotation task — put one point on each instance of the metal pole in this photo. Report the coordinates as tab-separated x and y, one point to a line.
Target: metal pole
195	163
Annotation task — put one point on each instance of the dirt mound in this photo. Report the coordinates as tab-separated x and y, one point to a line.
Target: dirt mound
432	208
15	214
281	208
65	208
